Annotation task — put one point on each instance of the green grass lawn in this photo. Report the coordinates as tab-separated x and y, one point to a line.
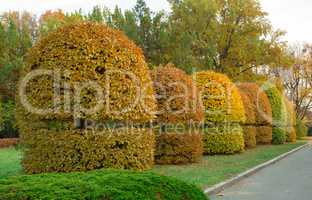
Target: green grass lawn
212	170
215	169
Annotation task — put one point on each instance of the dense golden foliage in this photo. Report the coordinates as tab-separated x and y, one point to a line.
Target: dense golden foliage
87	52
223	140
291	135
221	99
81	150
81	53
178	99
250	112
264	135
179	148
250	133
178	104
259	101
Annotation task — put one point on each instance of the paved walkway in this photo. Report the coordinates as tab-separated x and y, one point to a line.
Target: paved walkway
289	179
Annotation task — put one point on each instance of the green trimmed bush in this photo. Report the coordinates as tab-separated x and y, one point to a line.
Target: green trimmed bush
79	54
301	129
178	103
279	135
98	185
279	113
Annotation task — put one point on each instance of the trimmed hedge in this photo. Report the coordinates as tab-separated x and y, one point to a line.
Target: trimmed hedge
223	140
178	104
264	135
291	135
179	148
256	100
249	130
279	135
221	98
85	52
259	101
178	99
301	129
81	150
117	185
279	113
1	117
250	133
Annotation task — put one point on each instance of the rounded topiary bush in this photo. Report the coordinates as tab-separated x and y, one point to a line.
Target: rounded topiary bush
279	115
87	72
248	125
259	102
98	185
224	111
178	105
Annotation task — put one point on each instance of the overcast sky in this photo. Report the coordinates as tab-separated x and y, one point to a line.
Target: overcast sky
293	16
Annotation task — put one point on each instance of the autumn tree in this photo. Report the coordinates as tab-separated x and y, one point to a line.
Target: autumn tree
229	36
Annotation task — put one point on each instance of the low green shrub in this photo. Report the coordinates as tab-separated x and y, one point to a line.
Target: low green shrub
109	185
278	135
223	139
178	148
80	150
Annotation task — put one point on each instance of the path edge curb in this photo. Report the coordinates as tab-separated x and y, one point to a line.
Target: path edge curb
228	183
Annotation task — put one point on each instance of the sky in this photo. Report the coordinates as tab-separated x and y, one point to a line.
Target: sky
293	16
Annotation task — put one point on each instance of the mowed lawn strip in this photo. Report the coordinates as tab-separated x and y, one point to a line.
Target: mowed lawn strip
212	170
10	162
215	169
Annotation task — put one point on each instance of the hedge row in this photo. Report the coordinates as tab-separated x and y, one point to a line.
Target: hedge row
233	116
98	185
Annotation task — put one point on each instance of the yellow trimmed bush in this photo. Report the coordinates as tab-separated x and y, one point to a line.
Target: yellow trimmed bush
81	150
224	110
221	98
223	140
96	65
178	103
91	53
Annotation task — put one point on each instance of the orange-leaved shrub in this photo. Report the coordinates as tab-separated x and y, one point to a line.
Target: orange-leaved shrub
85	71
259	102
224	111
248	125
178	104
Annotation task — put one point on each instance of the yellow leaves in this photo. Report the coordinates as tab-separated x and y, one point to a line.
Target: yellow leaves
77	150
220	98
